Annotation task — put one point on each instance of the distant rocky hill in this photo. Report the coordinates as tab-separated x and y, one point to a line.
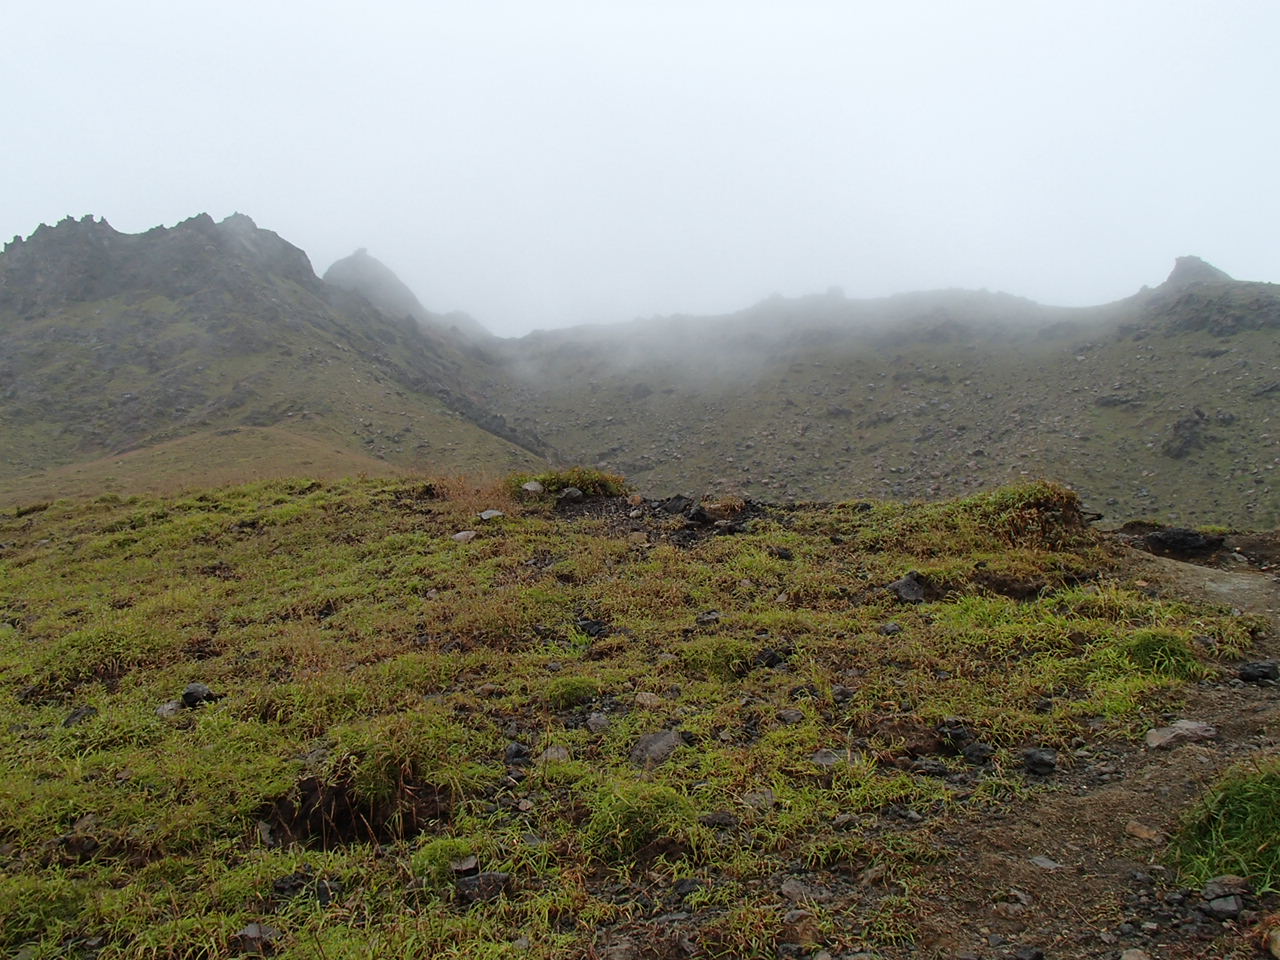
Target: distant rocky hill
1160	405
136	356
113	343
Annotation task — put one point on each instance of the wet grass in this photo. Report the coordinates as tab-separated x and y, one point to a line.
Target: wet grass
392	702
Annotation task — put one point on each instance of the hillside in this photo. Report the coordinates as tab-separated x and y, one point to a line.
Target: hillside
115	343
128	362
1160	405
360	719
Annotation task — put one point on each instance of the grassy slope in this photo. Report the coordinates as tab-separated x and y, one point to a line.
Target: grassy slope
101	379
369	661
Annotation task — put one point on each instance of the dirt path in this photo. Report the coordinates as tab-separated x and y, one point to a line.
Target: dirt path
1109	892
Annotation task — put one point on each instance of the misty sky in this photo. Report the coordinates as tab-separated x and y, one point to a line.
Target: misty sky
543	163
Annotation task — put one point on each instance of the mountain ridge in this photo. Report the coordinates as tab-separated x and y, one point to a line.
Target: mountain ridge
1156	404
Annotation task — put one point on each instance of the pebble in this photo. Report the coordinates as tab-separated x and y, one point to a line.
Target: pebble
169	709
597	722
555	754
257	939
464	536
533	486
648	700
653	748
1040	761
571	495
1179	732
1260	671
196	694
1135	955
827	758
491	514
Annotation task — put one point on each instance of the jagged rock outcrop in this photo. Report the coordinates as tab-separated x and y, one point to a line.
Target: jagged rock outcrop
376	282
1189	270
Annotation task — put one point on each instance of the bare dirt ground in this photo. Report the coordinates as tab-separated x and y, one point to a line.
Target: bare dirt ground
1101	888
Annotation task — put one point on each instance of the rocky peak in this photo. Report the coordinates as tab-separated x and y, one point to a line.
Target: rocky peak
377	283
1189	270
372	279
87	259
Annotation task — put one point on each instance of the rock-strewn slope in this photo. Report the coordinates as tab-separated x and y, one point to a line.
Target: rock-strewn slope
1158	405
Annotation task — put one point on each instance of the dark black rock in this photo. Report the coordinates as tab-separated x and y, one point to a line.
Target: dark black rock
955	734
1260	671
487	885
930	767
891	629
1028	953
593	628
1040	761
1181	542
517	753
676	504
841	693
781	553
978	753
722	819
80	715
198	693
687	886
1224	908
910	589
768	657
571	495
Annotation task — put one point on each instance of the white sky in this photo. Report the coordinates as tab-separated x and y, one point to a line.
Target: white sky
544	162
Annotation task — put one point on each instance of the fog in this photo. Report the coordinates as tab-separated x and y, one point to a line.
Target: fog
537	165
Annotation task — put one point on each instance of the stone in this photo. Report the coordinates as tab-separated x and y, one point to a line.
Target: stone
487	885
257	940
1135	955
1225	886
978	753
517	753
909	589
891	629
1224	908
790	716
1180	732
795	890
648	700
464	536
721	819
1045	863
465	866
169	709
1260	671
597	722
80	715
533	487
554	754
1181	542
491	514
198	693
1040	761
828	758
571	495
800	926
653	748
1136	828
